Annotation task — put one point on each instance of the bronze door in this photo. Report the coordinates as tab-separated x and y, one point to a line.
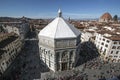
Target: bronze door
64	66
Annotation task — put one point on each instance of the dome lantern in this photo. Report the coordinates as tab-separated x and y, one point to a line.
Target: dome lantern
59	13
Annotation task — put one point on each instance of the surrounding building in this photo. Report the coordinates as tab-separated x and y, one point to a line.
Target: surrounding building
106	39
20	27
10	46
108	43
106	17
87	34
17	27
58	44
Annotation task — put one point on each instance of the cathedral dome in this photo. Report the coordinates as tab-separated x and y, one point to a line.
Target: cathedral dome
106	16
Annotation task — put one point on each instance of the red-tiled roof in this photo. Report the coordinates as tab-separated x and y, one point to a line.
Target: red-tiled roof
106	16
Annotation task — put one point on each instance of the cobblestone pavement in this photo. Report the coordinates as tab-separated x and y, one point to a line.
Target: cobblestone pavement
90	67
31	62
98	69
95	69
32	66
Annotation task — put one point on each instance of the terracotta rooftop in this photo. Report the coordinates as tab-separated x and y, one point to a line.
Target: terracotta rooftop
110	32
114	34
7	41
115	38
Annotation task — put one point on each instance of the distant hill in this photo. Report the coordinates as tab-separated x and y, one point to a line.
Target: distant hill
8	19
12	19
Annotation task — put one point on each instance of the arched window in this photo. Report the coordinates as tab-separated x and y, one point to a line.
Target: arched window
64	54
57	55
71	54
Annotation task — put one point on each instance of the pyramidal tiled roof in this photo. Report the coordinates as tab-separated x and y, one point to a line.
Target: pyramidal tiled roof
59	28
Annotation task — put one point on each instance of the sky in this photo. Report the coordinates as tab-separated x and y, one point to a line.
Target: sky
48	8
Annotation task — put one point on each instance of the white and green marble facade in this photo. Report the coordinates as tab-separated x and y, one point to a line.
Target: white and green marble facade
54	52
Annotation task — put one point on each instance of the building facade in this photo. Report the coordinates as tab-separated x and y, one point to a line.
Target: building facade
58	44
10	46
106	39
109	47
21	28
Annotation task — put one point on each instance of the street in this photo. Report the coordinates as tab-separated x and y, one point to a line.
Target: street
27	66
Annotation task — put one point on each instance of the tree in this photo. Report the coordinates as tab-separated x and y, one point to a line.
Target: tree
115	18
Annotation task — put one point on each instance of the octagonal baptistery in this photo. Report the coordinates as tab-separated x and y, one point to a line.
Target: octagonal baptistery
58	44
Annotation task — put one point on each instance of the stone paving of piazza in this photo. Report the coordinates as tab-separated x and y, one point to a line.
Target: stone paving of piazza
28	66
92	70
90	67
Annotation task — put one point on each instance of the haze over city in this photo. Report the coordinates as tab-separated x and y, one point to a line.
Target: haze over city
47	8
